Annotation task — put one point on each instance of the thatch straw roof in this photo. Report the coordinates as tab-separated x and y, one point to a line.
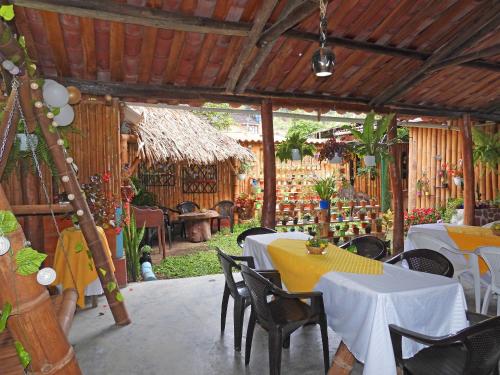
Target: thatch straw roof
169	135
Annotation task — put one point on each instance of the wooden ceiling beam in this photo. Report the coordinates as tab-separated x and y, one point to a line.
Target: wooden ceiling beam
294	12
258	25
487	19
161	19
170	92
145	16
476	55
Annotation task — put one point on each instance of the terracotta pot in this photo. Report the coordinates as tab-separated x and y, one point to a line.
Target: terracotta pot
373	202
355	231
334	217
363	203
364	224
352	203
379	227
362	216
373	215
339	205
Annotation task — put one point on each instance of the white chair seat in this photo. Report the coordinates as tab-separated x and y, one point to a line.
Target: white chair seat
491	255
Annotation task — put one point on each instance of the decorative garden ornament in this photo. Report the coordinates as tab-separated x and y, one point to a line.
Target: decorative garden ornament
370	160
46	276
26	141
4	245
66	115
74	95
55	94
296	154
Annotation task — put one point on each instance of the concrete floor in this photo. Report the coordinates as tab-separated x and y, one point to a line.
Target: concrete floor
176	331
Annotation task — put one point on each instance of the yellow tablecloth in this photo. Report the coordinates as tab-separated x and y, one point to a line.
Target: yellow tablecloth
469	238
301	271
77	262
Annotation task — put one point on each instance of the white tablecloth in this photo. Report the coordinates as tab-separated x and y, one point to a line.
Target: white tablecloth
360	307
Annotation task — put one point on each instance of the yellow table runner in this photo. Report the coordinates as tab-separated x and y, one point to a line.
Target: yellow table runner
79	259
301	271
469	238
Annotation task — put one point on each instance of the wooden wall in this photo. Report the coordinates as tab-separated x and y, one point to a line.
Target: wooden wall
94	148
429	145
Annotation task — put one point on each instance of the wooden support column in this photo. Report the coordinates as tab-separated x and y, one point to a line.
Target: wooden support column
33	321
468	169
269	204
397	189
30	190
72	186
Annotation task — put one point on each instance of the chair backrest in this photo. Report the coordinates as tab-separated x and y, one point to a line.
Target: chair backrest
149	217
251	232
228	266
260	289
225	208
368	246
429	261
187	206
491	255
489	225
483	347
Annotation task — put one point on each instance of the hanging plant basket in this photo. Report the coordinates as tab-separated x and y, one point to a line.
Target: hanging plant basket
458	181
296	154
242	176
336	159
370	160
23	141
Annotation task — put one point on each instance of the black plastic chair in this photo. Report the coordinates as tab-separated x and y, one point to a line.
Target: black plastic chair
237	290
425	260
252	232
281	315
226	211
170	223
472	351
368	246
187	206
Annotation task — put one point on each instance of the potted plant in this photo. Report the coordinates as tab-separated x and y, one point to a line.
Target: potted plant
340	218
337	227
364	224
457	173
306	218
363	203
371	145
370	172
373	215
378	223
355	229
352	203
368	229
333	151
419	187
294	147
243	169
146	254
443	175
362	214
316	246
284	220
295	220
132	238
325	188
486	148
334	216
339	204
373	202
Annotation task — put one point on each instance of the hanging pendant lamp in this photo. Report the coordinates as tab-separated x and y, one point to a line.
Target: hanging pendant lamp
323	60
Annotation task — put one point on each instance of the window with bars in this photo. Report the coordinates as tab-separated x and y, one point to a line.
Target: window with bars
159	175
199	178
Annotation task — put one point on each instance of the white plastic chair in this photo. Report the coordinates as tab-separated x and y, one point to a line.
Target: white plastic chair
491	255
464	263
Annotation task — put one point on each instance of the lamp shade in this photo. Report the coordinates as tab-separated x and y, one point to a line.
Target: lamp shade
66	116
323	62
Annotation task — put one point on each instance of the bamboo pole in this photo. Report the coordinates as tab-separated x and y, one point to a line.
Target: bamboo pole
33	321
397	189
412	175
433	160
468	167
269	204
30	191
454	159
436	179
442	151
86	221
448	161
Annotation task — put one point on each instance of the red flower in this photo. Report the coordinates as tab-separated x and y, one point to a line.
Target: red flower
106	177
118	230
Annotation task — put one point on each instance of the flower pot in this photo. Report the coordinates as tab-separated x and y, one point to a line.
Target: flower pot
340	218
363	203
339	205
23	141
373	215
361	216
419	193
283	222
336	159
296	154
324	204
242	176
458	181
373	202
337	227
352	203
355	231
369	160
364	224
334	217
379	227
368	229
295	220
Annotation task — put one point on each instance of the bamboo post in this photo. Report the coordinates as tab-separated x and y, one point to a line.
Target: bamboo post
412	168
454	160
11	134
71	186
419	164
448	161
397	189
442	151
432	177
269	204
468	168
33	321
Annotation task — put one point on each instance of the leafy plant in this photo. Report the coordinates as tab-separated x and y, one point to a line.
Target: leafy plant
28	261
486	148
142	196
371	137
332	147
325	187
294	140
219	120
370	172
132	238
244	168
451	208
101	205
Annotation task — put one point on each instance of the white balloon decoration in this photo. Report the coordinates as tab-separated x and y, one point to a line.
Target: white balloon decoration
60	142
4	245
38	104
34	86
66	115
71	196
69	160
50	115
79	212
65	178
8	65
46	276
15	71
55	94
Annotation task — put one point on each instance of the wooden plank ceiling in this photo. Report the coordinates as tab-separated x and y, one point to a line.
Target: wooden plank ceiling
422	57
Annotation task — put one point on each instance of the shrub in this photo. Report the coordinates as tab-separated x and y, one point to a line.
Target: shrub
421	216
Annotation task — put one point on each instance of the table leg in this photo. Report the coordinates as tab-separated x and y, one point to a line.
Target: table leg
342	362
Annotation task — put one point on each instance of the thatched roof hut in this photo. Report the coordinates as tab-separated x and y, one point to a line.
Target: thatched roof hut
169	135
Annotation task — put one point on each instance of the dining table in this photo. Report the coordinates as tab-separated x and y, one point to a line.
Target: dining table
362	298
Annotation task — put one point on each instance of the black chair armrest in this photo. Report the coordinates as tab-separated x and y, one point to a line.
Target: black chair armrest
273	276
421	338
475	318
247	259
395	259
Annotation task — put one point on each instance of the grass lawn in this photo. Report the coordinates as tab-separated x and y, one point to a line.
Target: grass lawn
203	262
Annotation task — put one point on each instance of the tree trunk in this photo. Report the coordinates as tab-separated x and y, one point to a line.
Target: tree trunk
468	169
397	190
269	204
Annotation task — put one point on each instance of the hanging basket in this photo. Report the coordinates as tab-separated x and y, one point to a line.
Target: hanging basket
23	141
370	160
336	159
458	181
295	154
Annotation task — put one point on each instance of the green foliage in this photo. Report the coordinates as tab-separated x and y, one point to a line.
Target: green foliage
294	140
7	12
371	138
451	208
325	187
219	120
7	309
23	355
403	134
132	238
142	196
28	261
8	222
304	127
486	148
371	172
